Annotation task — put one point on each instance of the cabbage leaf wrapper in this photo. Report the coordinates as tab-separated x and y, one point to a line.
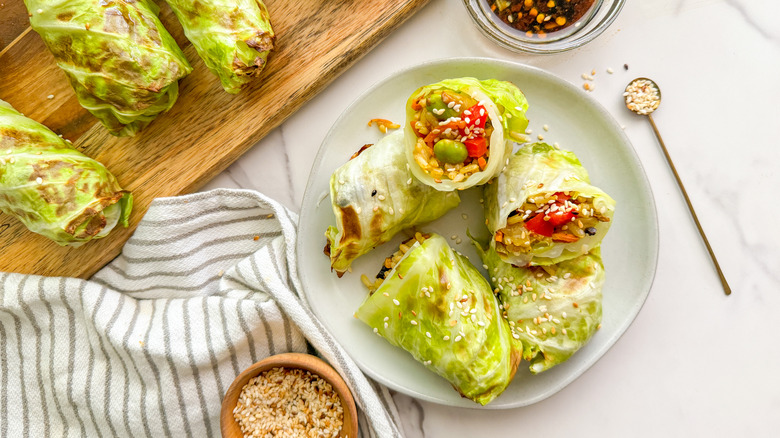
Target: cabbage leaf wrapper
374	196
53	189
122	63
504	105
232	37
542	178
435	305
554	309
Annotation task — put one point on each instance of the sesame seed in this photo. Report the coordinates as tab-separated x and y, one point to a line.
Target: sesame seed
39	180
458	338
376	330
51	96
262	408
428	334
413	322
396	302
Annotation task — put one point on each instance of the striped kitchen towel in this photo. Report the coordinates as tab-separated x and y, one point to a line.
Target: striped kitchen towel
148	347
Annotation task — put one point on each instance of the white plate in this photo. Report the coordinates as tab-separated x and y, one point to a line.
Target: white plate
577	123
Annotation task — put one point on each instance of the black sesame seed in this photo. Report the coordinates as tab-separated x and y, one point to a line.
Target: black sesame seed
625	66
383	272
590	231
373	192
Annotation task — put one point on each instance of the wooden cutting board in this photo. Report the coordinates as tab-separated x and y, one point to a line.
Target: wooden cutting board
205	131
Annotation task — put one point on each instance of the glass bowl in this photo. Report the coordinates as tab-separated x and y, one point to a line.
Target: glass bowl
596	21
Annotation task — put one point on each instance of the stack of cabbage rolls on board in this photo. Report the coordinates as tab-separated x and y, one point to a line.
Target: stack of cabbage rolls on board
124	65
542	299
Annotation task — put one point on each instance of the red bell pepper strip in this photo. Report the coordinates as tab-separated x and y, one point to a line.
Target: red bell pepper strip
476	146
538	225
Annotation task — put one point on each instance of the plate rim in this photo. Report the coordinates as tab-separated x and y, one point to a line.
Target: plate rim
310	201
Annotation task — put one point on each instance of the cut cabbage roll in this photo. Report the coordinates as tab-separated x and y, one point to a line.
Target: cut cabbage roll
53	189
435	305
459	132
553	309
232	37
122	63
543	210
374	196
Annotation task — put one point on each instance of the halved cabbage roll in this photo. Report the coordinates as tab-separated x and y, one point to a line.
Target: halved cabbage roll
543	210
53	189
121	62
435	305
553	309
233	37
374	196
459	132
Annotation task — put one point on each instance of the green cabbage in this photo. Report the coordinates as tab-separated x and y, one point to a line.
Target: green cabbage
232	37
506	106
540	168
554	310
374	196
435	305
120	60
52	188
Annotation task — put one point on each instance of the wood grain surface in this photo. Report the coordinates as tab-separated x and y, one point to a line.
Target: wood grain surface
203	133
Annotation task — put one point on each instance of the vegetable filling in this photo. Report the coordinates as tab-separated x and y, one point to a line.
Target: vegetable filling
391	261
453	135
547	218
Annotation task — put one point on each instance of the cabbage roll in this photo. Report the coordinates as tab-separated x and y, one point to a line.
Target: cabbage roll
232	37
122	63
459	132
374	196
553	309
53	189
435	305
543	210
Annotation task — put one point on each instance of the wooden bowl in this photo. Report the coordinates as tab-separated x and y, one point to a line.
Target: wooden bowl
307	362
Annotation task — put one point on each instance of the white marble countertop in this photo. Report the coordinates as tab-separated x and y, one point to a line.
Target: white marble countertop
694	362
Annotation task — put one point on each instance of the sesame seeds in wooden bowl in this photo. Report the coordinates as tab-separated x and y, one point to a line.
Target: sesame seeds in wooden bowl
295	392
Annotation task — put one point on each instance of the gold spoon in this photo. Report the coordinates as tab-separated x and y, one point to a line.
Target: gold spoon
643	96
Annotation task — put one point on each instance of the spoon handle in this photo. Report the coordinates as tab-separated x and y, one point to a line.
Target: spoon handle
726	287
